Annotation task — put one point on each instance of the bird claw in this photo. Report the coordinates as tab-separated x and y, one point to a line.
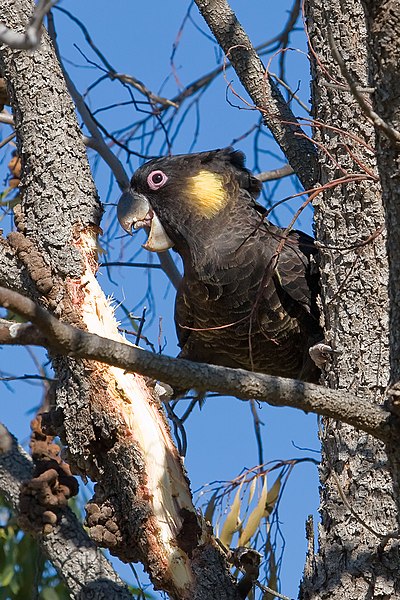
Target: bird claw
321	353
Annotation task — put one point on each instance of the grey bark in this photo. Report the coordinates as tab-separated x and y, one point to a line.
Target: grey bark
358	505
82	566
383	23
11	271
277	391
59	201
57	192
263	91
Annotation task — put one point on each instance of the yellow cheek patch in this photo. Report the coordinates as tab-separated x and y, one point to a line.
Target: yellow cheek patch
206	192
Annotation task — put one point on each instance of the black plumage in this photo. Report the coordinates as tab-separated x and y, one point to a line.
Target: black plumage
248	295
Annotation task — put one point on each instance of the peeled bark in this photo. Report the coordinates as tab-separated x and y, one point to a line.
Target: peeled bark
112	423
358	505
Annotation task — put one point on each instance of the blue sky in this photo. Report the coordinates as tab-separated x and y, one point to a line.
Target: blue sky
138	38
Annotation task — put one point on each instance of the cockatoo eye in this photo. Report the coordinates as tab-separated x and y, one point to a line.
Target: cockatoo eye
156	179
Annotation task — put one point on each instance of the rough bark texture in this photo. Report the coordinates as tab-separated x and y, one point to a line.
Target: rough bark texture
11	270
383	23
55	170
85	569
45	330
114	428
357	496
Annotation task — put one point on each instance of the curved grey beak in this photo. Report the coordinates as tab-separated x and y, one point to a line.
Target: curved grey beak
134	211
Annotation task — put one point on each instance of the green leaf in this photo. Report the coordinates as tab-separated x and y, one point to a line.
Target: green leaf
6	575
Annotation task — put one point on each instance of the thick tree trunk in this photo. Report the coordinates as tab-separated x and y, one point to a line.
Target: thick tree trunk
112	423
358	506
383	23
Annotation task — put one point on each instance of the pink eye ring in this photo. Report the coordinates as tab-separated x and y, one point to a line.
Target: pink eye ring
156	179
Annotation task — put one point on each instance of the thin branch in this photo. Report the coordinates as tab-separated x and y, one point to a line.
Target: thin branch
112	73
276	391
6	118
345	88
170	269
30	39
257	430
97	139
206	79
274	174
89	575
7	139
129	264
97	142
292	94
262	89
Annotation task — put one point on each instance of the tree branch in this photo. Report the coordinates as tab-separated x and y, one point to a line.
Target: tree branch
98	143
276	391
112	73
30	39
274	174
261	88
79	562
6	118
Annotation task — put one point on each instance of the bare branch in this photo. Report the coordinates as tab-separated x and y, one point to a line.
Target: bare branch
6	118
170	268
112	73
97	142
277	391
30	39
206	79
84	568
292	94
27	333
139	265
7	139
273	174
345	88
260	86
